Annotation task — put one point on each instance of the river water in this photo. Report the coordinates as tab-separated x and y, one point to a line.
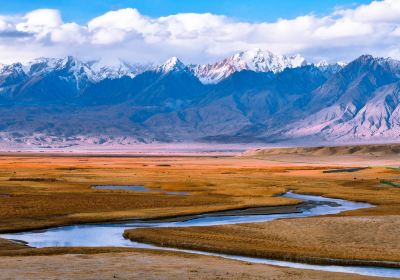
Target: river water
110	234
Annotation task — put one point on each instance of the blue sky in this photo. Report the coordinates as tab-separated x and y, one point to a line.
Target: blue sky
154	30
249	10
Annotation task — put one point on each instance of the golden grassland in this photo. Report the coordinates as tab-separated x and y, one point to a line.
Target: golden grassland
330	240
38	191
44	191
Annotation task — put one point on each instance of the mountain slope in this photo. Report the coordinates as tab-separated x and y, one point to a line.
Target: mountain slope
266	98
253	60
243	106
360	102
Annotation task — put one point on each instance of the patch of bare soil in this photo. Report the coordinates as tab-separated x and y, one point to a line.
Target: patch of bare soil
151	265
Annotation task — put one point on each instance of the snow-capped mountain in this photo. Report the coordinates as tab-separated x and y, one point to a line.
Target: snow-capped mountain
103	71
68	64
254	60
14	70
323	63
330	68
95	71
277	98
172	64
11	74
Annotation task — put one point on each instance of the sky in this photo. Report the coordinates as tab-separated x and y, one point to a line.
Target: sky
253	10
197	31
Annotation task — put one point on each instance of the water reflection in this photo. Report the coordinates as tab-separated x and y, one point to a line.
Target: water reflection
110	234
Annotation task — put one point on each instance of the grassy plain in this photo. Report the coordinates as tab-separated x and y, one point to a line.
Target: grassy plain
39	190
43	191
330	240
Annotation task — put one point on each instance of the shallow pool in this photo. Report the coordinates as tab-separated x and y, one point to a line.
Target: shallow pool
137	188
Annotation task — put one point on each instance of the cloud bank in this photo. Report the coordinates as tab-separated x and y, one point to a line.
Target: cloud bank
127	34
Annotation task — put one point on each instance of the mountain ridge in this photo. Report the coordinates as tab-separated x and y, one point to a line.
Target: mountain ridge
256	60
59	101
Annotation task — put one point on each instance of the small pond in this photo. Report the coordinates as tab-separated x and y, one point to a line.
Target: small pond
138	188
344	170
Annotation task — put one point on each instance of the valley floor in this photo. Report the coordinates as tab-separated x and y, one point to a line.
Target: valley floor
151	265
39	191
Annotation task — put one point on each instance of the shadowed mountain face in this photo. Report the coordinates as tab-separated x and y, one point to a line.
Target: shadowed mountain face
60	101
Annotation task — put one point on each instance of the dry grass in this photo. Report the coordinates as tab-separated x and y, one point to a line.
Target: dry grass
333	240
367	150
9	246
43	191
152	265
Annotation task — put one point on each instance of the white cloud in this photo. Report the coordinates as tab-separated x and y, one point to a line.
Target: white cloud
387	11
69	33
40	21
116	26
3	24
127	34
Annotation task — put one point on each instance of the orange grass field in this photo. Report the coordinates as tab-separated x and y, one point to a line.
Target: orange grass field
39	191
330	240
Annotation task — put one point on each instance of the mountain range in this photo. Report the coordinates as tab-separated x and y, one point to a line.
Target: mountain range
252	96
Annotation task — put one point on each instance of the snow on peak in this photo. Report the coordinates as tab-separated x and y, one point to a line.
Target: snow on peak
322	63
329	68
10	69
117	70
92	70
263	61
42	65
255	60
172	64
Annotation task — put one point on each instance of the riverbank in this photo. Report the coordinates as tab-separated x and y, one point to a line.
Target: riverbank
153	265
102	235
368	241
45	191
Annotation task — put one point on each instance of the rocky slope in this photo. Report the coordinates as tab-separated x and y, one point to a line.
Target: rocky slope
250	97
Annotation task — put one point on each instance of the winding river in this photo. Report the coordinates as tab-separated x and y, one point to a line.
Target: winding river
110	234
